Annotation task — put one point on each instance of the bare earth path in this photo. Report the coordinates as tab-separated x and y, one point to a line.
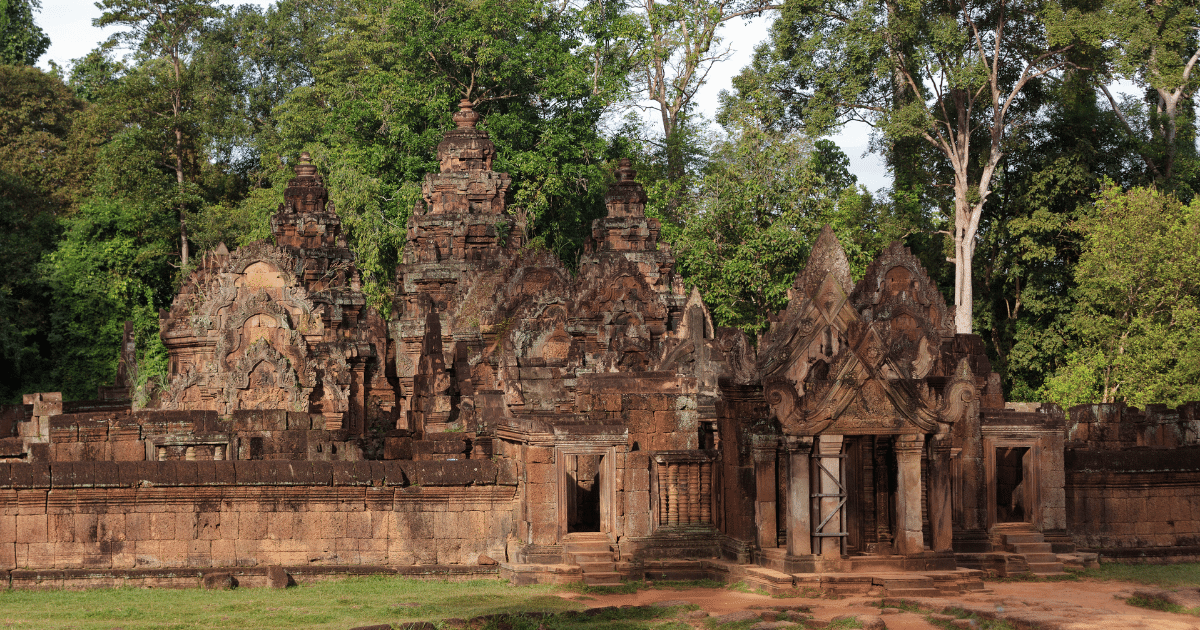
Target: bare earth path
1082	605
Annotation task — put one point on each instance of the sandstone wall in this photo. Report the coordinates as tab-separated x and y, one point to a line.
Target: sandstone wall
134	515
1141	504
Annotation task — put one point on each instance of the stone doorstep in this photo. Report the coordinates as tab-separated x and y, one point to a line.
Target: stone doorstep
1022	547
1023	538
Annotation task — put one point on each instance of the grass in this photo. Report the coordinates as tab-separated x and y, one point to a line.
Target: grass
1155	603
980	622
1163	575
628	588
333	604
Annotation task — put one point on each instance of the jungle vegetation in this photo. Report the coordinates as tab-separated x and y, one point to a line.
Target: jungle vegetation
1061	220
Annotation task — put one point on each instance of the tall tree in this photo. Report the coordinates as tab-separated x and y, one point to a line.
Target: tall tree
1157	45
40	176
166	30
966	64
1137	303
682	44
22	41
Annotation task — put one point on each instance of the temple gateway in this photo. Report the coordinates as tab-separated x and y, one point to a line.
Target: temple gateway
510	417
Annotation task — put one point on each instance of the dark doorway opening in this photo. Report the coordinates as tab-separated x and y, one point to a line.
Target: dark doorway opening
583	475
1013	492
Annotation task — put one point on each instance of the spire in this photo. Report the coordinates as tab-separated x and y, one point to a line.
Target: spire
466	148
827	258
306	191
626	198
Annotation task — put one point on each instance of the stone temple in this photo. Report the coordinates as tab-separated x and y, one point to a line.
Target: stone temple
512	418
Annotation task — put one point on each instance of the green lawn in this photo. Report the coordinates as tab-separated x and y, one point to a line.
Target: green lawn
340	604
1164	575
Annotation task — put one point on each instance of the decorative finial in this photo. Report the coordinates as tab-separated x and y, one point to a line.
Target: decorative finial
305	168
625	172
466	116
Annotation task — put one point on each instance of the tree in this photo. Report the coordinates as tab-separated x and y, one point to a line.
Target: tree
42	172
682	44
22	41
112	264
387	84
1137	303
166	30
1156	44
759	207
949	73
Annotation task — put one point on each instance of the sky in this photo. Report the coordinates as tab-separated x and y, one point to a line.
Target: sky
68	23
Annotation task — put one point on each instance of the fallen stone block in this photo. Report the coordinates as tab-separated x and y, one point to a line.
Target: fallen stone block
220	581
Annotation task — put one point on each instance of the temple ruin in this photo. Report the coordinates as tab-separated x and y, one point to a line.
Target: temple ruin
513	418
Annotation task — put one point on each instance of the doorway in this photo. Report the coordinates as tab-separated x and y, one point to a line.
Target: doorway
1013	485
583	480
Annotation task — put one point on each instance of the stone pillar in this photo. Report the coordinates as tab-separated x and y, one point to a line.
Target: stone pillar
764	512
706	492
940	511
799	522
909	539
832	506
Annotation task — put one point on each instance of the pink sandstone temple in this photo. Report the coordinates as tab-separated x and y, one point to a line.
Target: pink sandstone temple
511	418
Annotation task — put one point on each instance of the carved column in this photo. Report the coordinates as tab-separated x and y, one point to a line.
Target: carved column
706	492
693	473
909	539
672	494
830	480
799	523
765	516
663	500
883	495
940	515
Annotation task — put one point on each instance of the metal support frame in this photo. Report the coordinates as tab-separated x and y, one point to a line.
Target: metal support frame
818	468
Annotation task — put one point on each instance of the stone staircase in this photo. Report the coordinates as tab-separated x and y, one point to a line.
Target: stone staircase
1028	543
593	553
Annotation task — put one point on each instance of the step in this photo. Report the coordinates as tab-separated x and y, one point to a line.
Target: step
1023	537
1024	548
914	592
611	578
905	582
597	567
605	556
1040	558
591	547
1046	568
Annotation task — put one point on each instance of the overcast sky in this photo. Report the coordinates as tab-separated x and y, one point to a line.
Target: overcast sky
69	25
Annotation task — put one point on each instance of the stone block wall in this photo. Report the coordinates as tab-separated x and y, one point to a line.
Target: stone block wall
1115	426
1136	505
146	515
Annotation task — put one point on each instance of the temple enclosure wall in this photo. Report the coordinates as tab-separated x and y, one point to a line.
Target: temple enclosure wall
147	515
1135	504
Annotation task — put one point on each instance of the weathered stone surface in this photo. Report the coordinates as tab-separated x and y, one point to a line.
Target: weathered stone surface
510	405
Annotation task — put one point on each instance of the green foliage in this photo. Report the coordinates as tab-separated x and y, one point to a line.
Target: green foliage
761	202
22	41
383	94
112	265
1137	303
39	179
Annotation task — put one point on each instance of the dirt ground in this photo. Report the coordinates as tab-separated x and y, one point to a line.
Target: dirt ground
1082	605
